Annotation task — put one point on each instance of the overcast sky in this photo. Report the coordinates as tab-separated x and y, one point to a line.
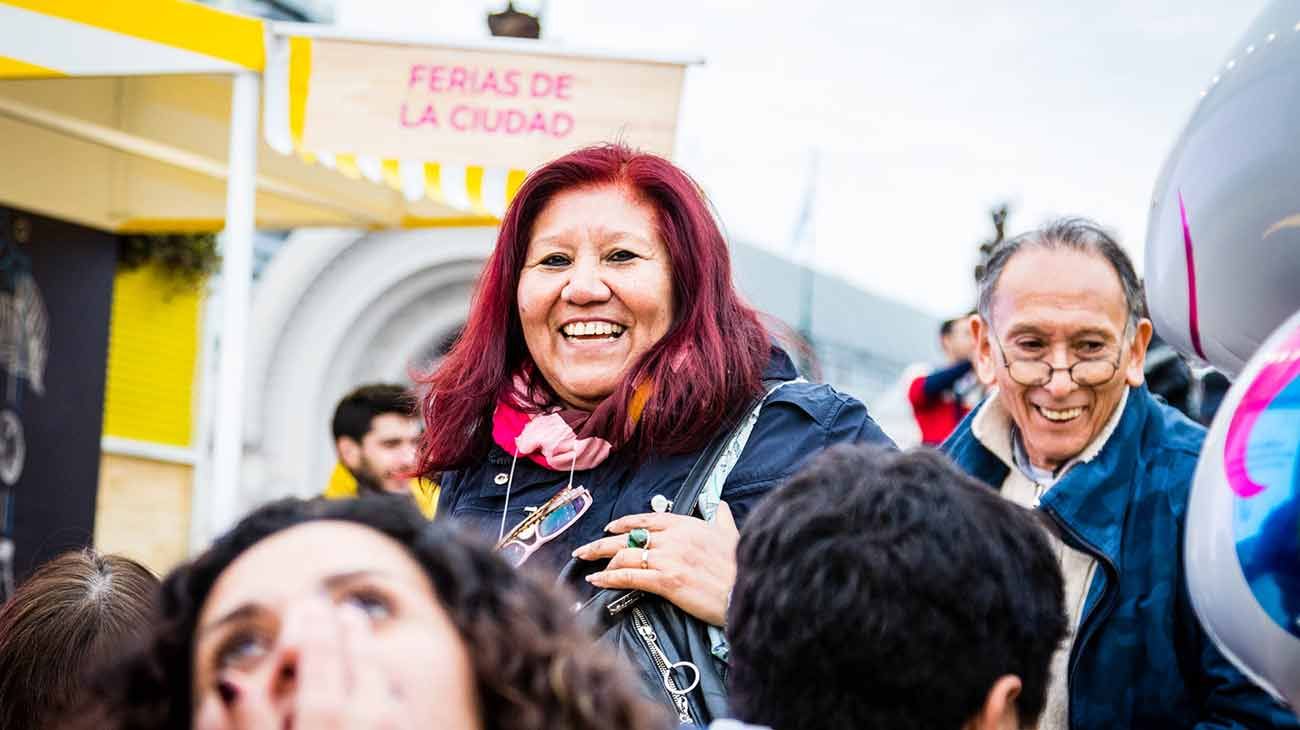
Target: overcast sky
923	114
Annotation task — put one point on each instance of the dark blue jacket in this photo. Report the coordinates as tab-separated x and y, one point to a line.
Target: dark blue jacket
1140	658
797	421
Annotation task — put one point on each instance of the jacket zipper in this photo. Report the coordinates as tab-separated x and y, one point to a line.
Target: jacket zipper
647	633
1087	623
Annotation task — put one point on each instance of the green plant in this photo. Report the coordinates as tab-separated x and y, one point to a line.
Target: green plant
187	259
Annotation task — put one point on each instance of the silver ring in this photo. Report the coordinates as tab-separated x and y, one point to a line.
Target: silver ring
645	558
668	674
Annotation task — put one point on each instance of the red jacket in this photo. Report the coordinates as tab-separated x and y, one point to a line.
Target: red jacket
935	403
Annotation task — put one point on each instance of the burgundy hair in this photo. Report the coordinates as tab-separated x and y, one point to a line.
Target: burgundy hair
707	365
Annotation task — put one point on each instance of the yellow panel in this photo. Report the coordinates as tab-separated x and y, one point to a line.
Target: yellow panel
143	510
514	181
171	225
391	171
177	23
464	221
433	182
299	79
153	347
12	68
474	189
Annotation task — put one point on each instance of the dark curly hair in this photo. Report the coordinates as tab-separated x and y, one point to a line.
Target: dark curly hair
533	666
879	589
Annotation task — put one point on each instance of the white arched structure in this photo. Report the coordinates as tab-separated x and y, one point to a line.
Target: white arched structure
334	309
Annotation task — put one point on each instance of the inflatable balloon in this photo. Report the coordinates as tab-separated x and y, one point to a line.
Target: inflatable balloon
1223	240
1243	524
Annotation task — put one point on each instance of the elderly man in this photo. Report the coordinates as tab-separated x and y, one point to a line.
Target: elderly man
1071	430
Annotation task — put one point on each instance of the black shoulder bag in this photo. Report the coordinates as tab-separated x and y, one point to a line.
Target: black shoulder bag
672	650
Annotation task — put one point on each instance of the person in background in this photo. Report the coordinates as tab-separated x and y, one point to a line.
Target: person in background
878	589
1169	377
71	616
1197	393
943	397
1214	388
1073	431
360	614
376	433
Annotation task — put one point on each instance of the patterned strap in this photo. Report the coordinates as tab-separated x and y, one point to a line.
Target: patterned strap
711	494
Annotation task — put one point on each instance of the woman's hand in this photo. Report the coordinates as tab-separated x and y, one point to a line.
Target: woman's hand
689	562
327	676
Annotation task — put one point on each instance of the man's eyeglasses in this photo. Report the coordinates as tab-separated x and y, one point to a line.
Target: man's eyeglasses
1036	373
558	514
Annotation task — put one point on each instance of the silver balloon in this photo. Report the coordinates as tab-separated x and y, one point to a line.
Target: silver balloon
1223	239
1243	524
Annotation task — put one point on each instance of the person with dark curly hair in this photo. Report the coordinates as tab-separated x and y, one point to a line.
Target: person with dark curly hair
879	589
360	614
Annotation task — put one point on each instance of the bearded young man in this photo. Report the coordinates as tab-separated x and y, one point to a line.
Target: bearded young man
1071	430
376	431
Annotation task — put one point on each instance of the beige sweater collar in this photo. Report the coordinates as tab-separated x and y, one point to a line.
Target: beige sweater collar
993	427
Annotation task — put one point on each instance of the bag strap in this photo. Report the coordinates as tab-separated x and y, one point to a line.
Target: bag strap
701	489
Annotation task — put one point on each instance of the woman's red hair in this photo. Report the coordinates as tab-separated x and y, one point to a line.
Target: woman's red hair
705	368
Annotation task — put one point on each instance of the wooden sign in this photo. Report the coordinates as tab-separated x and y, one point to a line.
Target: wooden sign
482	107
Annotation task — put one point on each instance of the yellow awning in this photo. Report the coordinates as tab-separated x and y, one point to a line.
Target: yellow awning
149	153
52	38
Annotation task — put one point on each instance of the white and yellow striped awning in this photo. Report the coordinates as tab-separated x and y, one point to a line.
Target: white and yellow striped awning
52	38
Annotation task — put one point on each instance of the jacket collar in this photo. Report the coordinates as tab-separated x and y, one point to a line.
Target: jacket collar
779	365
1092	497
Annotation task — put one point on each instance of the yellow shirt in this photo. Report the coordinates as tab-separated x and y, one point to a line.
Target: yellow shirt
342	485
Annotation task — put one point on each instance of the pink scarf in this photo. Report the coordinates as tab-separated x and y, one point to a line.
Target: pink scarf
549	437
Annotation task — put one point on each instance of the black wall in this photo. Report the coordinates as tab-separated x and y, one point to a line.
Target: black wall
52	505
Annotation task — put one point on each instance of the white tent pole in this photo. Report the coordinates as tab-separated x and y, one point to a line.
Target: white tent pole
236	289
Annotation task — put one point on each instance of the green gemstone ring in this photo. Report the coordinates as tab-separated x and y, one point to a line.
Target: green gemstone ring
638	538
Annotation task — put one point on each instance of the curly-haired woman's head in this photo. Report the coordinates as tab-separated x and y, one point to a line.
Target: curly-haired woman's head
74	613
314	612
610	272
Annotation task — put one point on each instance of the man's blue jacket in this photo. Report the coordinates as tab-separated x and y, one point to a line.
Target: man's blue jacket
1140	658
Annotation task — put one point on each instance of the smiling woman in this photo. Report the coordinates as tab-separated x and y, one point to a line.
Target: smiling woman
605	357
595	293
